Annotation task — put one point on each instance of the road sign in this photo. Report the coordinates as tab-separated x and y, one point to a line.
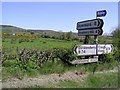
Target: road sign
90	24
101	13
87	50
90	32
81	61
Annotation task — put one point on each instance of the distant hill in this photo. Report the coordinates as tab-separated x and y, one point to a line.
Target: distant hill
11	29
14	29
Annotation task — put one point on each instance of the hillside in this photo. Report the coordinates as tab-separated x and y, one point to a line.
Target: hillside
11	29
14	29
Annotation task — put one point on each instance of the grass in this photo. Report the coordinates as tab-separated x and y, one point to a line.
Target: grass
38	43
109	80
42	43
11	68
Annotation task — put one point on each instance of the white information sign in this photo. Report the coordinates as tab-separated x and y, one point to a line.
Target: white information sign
87	50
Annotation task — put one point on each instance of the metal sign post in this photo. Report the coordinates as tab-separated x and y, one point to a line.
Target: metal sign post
86	41
100	13
96	40
91	28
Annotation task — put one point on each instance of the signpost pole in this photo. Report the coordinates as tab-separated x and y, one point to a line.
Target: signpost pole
96	40
86	41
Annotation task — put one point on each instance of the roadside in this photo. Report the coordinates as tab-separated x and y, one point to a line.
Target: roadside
44	80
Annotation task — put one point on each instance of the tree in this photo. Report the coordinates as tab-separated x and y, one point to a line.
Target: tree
69	35
32	32
116	43
116	38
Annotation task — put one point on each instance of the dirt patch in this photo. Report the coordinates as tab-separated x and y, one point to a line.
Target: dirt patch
43	80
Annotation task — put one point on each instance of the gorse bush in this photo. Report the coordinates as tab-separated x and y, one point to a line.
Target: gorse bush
31	61
116	38
106	58
111	57
116	54
65	55
25	57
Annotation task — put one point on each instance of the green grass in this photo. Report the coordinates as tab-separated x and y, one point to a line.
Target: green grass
38	43
109	80
42	43
12	70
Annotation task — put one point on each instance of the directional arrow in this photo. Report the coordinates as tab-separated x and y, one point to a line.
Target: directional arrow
90	24
100	31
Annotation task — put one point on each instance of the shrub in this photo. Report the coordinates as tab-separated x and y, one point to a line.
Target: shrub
116	38
116	54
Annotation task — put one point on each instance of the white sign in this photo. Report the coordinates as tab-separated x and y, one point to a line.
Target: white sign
90	60
90	32
90	24
87	50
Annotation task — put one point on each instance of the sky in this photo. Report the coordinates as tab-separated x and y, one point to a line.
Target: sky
58	16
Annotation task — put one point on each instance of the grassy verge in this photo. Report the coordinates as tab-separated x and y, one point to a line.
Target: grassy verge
109	80
13	69
10	70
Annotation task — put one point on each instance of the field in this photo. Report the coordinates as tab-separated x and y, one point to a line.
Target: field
40	43
34	57
10	45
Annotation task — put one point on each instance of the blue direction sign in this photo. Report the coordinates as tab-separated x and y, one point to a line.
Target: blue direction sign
101	13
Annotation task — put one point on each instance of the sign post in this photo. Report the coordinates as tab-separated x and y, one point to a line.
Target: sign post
86	41
91	28
100	13
96	39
